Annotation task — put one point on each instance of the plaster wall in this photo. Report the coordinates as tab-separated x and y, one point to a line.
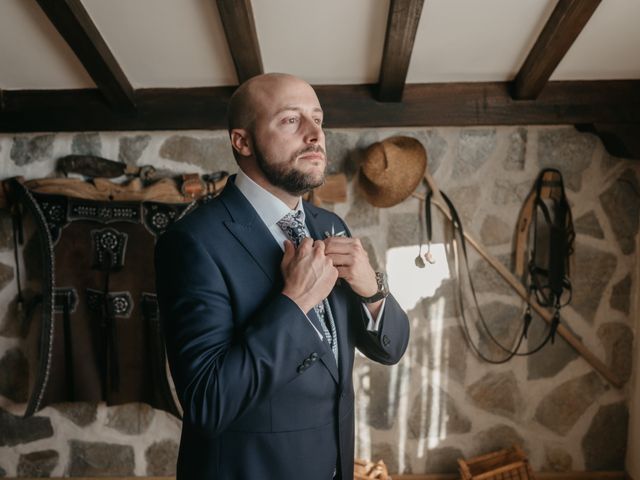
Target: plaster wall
440	402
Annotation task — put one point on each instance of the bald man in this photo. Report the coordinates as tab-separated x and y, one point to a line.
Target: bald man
262	310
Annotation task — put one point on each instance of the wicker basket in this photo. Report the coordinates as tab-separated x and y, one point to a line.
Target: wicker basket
507	464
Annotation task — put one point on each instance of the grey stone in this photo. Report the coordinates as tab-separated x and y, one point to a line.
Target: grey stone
497	393
486	279
617	339
340	146
441	402
593	270
504	323
516	155
131	418
161	458
371	252
80	413
473	150
557	460
496	438
443	460
130	149
567	150
361	214
100	459
403	230
588	224
562	407
443	302
553	357
621	202
436	147
621	295
16	385
506	192
37	464
6	230
495	231
87	144
389	455
383	403
16	430
3	472
26	150
11	325
452	360
466	201
212	154
6	275
605	444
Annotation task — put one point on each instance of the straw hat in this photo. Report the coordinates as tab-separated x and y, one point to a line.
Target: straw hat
391	170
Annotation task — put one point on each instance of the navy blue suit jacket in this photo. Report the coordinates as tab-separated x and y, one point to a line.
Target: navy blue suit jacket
262	395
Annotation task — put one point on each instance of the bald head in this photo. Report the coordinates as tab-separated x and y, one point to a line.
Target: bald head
246	99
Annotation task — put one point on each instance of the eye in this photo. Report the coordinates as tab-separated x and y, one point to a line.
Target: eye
290	120
318	121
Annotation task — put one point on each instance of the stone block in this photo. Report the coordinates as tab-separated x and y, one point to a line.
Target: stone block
403	230
80	413
617	339
16	430
130	149
588	225
212	154
15	385
131	418
27	149
474	148
443	460
621	295
621	203
6	275
557	460
87	144
161	458
507	192
495	231
361	214
593	270
37	464
497	393
495	438
435	402
605	445
92	459
567	150
516	154
560	409
553	357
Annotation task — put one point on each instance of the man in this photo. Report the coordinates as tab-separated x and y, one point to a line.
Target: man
261	333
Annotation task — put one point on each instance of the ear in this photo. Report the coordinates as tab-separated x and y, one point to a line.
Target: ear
241	142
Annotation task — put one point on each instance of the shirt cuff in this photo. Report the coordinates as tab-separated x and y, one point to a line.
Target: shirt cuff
374	325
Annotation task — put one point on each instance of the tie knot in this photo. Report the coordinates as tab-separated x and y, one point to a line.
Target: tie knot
293	226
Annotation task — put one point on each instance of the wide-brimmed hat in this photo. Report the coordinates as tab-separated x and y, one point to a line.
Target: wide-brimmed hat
391	170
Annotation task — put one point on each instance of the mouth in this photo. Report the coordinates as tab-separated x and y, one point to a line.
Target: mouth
312	156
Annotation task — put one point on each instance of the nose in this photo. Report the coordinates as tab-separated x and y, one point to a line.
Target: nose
312	130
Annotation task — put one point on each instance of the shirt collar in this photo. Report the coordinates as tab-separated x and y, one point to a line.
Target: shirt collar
269	207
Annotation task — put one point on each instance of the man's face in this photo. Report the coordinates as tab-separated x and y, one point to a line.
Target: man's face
288	141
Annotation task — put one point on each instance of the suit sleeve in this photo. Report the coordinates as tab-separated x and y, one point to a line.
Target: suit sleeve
219	371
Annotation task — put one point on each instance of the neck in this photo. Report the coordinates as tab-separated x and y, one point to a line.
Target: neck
255	174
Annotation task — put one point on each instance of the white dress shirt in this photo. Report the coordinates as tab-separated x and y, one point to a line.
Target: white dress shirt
271	209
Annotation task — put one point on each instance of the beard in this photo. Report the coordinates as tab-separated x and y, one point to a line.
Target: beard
286	176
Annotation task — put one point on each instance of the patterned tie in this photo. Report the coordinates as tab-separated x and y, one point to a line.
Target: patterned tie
293	227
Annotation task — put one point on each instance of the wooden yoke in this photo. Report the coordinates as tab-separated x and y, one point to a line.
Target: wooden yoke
510	278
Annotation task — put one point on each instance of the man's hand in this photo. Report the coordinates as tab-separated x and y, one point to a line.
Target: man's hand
309	275
352	261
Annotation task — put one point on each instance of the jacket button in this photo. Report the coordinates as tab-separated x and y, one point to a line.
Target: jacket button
306	363
385	340
313	357
301	368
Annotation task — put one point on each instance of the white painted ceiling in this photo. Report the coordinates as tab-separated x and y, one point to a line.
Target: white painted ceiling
180	43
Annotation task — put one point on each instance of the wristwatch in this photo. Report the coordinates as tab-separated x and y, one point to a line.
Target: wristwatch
383	289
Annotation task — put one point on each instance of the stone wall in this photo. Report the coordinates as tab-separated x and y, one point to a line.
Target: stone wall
440	402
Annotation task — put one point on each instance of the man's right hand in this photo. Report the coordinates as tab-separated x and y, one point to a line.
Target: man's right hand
309	275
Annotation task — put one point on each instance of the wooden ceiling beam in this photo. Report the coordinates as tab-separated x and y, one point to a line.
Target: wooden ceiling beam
345	106
240	30
402	25
73	22
563	27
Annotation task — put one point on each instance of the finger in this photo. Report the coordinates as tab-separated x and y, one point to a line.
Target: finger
305	245
341	245
340	259
344	272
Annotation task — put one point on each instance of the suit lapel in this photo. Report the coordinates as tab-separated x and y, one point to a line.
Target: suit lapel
250	231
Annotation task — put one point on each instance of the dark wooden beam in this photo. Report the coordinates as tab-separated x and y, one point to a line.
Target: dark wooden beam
565	24
240	29
460	104
402	25
71	19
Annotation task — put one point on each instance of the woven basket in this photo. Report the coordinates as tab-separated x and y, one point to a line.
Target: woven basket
507	464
